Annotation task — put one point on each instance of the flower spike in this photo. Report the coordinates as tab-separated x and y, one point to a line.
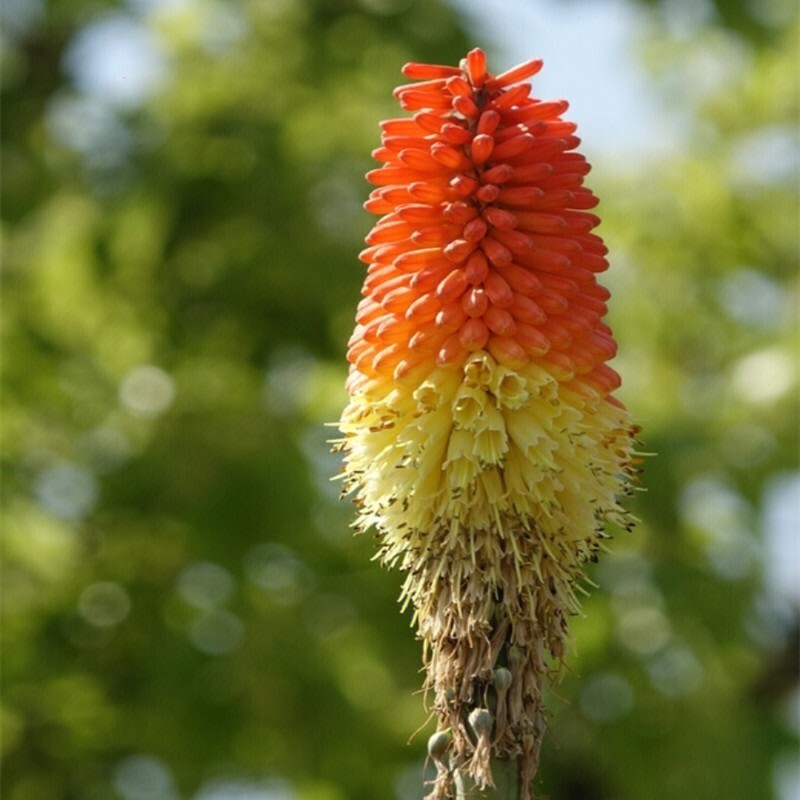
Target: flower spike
482	441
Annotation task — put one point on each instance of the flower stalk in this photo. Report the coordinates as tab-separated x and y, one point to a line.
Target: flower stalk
482	440
506	783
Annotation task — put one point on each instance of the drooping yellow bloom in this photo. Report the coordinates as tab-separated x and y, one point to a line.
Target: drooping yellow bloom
481	440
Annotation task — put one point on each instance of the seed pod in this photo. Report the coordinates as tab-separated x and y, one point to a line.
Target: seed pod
501	679
481	721
438	745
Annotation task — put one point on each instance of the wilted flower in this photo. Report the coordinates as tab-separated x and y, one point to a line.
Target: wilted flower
482	441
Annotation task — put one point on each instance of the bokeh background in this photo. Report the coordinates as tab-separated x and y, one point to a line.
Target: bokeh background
186	613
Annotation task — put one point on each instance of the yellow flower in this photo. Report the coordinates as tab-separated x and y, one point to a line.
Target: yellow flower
482	441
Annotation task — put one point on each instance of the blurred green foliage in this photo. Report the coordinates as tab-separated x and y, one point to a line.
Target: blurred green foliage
185	612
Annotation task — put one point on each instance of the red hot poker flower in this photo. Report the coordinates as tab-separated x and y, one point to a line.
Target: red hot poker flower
482	440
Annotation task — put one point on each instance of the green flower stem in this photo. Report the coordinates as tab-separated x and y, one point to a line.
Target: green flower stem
506	778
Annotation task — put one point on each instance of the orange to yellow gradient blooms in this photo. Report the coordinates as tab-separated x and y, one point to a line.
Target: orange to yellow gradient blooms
482	442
